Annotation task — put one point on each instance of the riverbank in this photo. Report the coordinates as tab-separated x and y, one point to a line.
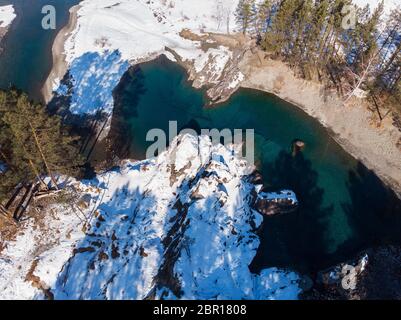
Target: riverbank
224	63
60	65
356	128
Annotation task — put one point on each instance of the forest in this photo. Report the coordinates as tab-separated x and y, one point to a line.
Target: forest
354	50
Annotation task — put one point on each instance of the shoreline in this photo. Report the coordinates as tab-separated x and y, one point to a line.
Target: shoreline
353	127
60	65
3	33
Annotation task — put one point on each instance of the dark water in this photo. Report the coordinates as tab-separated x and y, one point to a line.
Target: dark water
344	207
27	59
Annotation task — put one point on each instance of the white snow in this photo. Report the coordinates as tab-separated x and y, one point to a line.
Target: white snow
389	5
237	80
278	196
177	226
364	262
133	31
49	243
7	15
142	28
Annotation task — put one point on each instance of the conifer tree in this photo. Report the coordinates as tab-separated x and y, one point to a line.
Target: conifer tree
278	38
311	37
35	143
244	14
263	16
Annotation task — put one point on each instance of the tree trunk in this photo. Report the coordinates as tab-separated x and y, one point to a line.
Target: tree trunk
36	172
43	156
360	82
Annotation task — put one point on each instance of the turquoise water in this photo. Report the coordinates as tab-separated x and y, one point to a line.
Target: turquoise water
27	59
344	207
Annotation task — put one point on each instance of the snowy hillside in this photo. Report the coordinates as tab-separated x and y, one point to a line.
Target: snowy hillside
178	226
143	28
112	34
7	15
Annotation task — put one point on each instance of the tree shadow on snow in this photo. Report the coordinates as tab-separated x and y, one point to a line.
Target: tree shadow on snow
295	240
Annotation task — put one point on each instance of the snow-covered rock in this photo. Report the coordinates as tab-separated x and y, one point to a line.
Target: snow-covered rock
7	15
177	226
133	31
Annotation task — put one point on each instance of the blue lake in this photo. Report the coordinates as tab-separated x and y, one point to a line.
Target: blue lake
344	207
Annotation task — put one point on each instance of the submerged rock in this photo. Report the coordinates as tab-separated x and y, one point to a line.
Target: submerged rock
297	147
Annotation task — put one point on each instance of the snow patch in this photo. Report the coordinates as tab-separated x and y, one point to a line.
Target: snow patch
389	5
7	15
92	78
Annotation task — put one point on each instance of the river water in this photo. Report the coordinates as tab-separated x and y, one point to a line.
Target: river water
27	60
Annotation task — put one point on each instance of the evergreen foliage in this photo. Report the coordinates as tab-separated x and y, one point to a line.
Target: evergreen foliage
310	36
33	144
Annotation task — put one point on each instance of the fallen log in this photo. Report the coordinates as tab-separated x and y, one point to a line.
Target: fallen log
14	196
45	194
20	205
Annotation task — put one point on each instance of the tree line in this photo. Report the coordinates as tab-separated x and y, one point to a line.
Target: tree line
35	147
310	36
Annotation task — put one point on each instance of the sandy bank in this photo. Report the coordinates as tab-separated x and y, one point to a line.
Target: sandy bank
354	127
60	66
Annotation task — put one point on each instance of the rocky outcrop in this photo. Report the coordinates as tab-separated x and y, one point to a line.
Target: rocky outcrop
374	275
188	231
178	226
271	204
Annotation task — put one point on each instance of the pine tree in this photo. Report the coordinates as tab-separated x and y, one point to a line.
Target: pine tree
314	35
311	37
303	20
263	16
37	144
279	38
244	14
